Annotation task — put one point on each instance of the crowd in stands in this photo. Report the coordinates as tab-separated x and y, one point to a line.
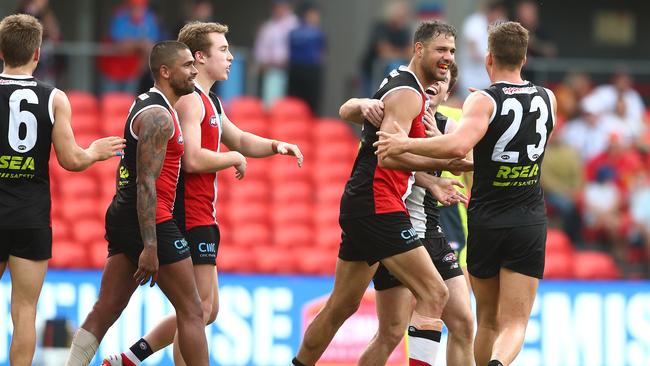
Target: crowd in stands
595	172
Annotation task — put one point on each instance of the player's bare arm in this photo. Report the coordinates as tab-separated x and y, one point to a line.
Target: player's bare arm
358	110
154	128
442	189
68	153
255	146
197	159
476	115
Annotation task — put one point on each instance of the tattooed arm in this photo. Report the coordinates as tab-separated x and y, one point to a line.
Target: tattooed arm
154	127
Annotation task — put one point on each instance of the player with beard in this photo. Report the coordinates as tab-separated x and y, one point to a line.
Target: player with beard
394	301
205	126
374	220
508	126
144	243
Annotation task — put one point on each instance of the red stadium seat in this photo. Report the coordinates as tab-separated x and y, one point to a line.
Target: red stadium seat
558	242
328	236
257	126
334	173
97	254
81	208
291	130
116	105
290	108
274	260
328	194
83	103
67	254
60	230
291	213
236	259
89	231
593	265
240	213
249	235
282	169
247	190
559	265
336	152
330	129
113	126
245	108
290	192
315	261
292	235
86	124
78	186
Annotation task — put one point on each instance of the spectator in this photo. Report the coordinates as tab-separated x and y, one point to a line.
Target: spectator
473	46
41	10
587	134
540	44
631	129
272	50
389	45
622	87
602	211
133	31
563	181
640	212
623	161
306	49
575	87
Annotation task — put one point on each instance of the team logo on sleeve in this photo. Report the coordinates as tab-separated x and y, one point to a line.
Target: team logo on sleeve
213	121
180	139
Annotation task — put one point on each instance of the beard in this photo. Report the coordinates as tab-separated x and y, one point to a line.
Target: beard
182	86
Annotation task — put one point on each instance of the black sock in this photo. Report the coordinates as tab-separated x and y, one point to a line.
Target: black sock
495	363
295	362
141	349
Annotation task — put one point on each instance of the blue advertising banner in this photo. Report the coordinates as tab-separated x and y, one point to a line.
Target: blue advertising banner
261	319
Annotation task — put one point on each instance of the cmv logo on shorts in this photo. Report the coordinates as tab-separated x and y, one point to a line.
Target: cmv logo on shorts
207	247
180	244
409	234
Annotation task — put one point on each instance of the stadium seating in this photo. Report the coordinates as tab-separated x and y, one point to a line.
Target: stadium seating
594	265
278	219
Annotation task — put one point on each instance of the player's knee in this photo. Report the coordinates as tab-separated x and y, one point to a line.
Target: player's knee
340	311
211	315
461	327
391	335
436	295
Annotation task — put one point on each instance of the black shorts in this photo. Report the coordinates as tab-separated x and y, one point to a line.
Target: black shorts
372	238
442	255
172	247
204	244
32	244
452	225
520	249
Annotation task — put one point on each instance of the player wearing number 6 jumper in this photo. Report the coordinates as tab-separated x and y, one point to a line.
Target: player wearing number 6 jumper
508	126
33	116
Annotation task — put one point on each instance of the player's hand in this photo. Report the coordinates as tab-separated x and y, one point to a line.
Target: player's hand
457	166
429	120
107	147
391	144
373	111
444	191
285	148
240	166
147	267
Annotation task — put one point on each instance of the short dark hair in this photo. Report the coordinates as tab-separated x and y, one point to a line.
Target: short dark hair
508	43
431	29
453	76
164	53
20	37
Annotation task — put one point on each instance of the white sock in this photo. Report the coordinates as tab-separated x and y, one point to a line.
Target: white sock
424	340
83	348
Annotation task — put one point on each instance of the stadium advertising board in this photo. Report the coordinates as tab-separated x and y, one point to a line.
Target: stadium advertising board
261	319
